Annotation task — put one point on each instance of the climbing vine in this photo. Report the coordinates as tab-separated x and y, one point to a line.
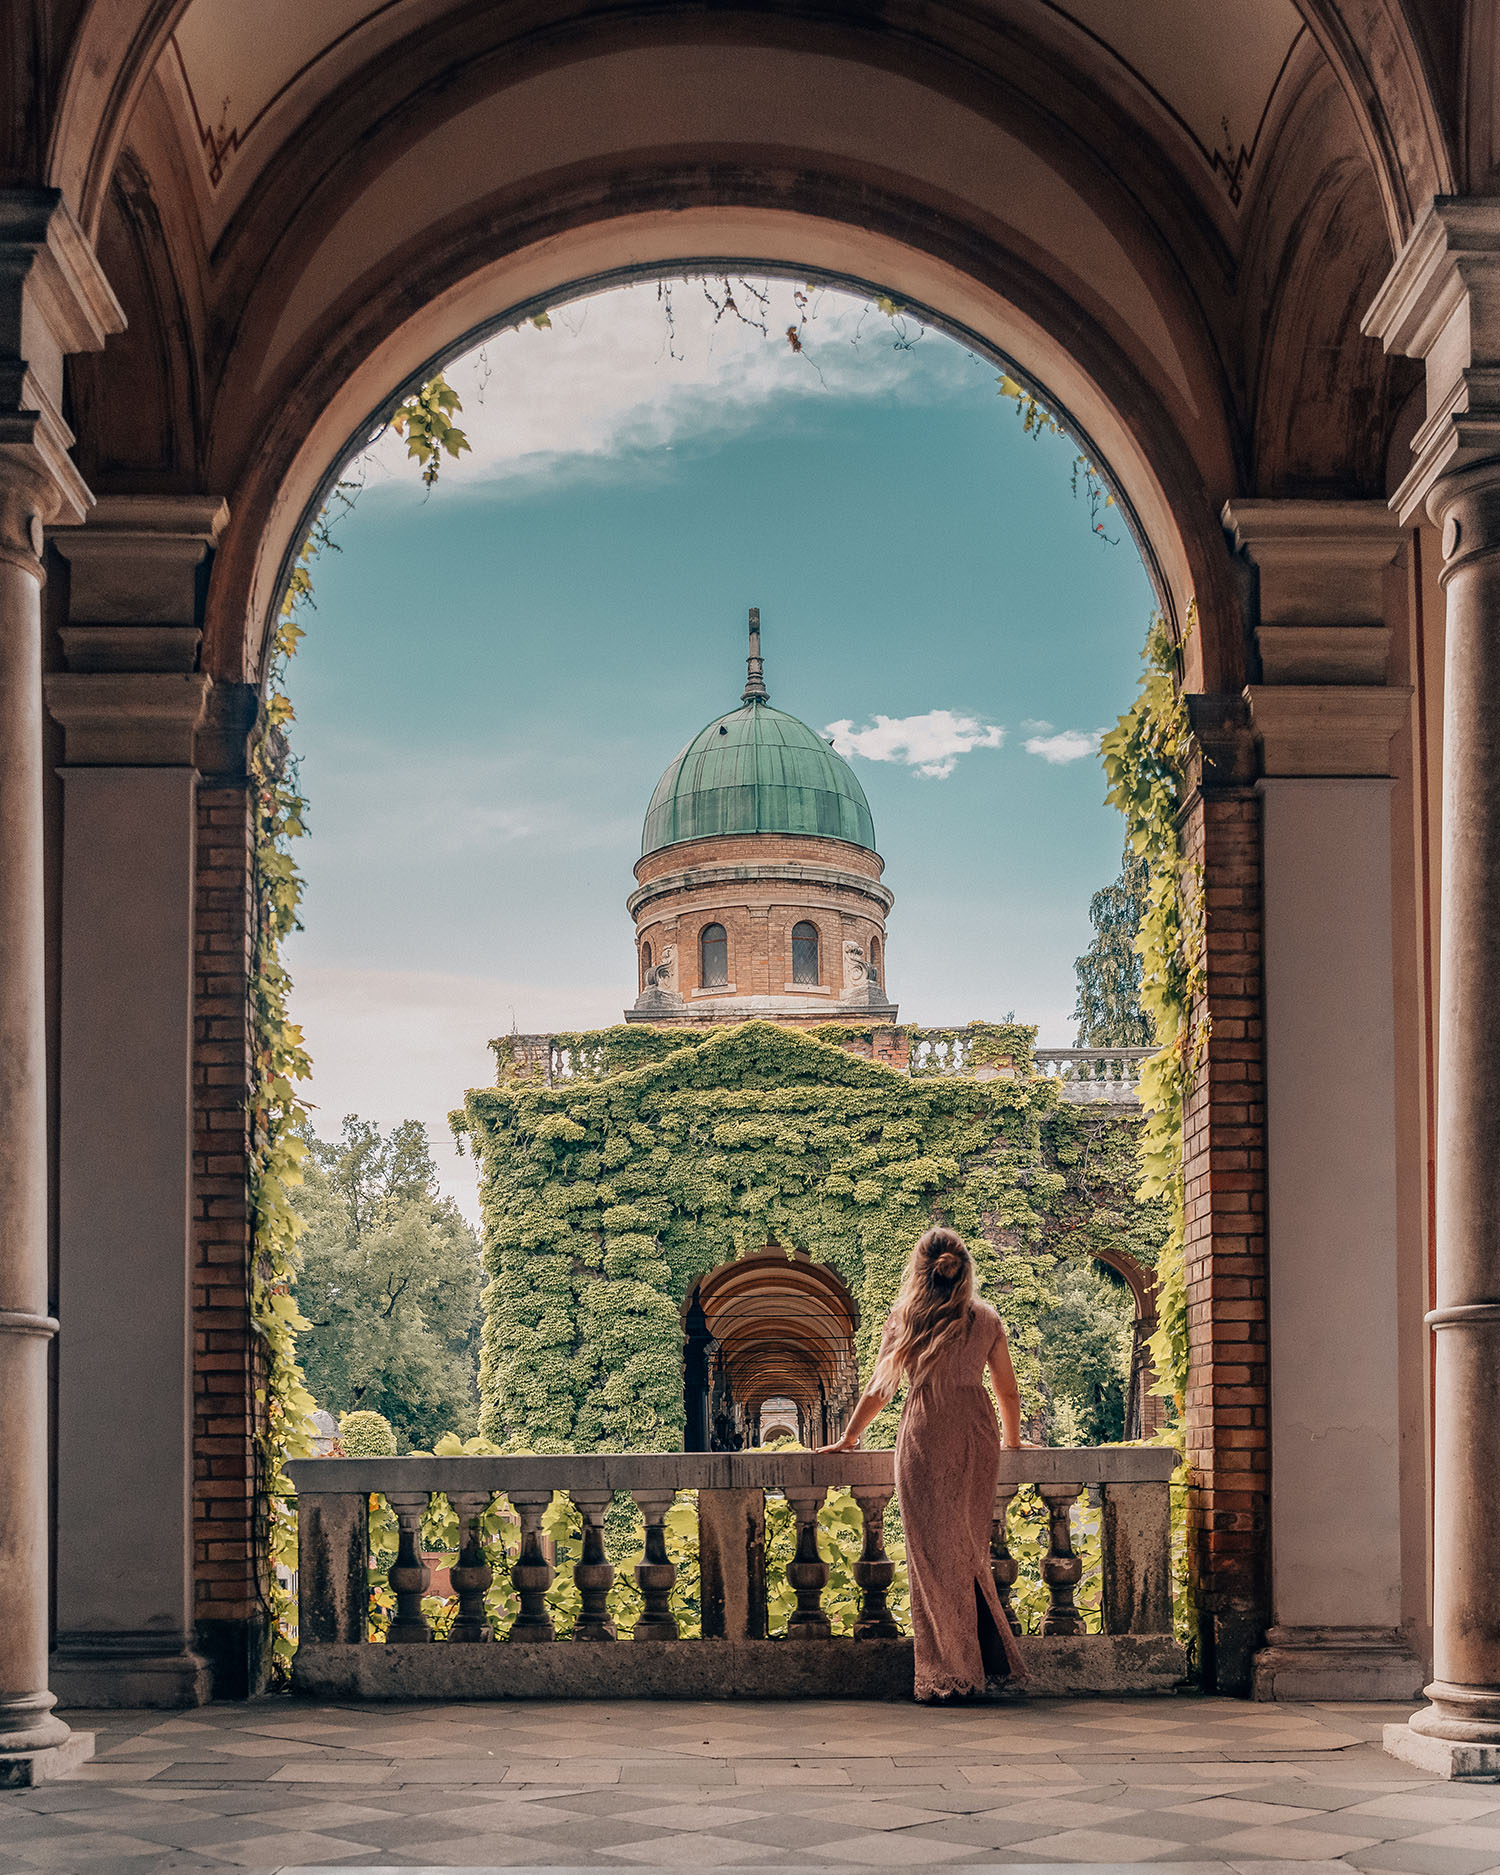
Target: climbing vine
607	1197
1145	759
279	1059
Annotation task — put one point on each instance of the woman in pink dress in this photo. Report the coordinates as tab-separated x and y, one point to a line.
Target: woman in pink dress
941	1338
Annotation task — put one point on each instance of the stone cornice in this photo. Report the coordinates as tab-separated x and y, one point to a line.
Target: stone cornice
1328	730
54	299
137	559
784	872
1441	303
1321	563
128	719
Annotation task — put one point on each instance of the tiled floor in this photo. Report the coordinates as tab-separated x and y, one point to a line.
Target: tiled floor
1210	1785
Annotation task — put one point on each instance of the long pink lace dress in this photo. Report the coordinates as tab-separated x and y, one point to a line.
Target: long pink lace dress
947	1464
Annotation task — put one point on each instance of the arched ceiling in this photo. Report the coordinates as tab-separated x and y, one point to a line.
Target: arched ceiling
784	1325
246	79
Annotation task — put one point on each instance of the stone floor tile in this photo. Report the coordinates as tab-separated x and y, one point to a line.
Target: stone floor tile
702	1852
1461	1836
288	1849
1066	1812
898	1851
574	1771
790	1832
1093	1845
76	1850
1242	1810
1439	1803
770	1771
1179	1828
1408	1858
481	1854
974	1832
117	1771
874	1813
343	1773
687	1816
1252	1867
1290	1844
593	1833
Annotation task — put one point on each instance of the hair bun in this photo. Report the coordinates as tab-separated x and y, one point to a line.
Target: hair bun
948	1264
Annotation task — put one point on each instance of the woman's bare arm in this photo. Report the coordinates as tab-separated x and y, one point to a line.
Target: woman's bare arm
1007	1393
868	1406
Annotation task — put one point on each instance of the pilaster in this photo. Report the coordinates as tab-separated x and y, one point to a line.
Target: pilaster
1323	719
132	704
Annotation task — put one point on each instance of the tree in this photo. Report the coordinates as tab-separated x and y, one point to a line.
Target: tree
1085	1353
390	1277
1109	1013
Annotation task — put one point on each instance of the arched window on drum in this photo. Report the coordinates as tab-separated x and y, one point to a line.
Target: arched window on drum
713	957
805	953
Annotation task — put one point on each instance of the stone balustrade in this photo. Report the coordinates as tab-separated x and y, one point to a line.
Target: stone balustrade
1084	1076
1111	1076
336	1657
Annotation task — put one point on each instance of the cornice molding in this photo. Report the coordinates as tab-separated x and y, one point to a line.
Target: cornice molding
784	872
1326	730
128	719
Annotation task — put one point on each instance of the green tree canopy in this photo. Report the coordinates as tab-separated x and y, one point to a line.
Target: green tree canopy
1109	1013
390	1282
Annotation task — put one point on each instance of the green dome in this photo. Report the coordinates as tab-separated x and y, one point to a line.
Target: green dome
757	770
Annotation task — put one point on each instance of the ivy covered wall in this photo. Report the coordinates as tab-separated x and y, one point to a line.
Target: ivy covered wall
605	1199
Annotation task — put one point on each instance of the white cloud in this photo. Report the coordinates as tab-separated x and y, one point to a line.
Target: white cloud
601	387
1035	725
931	744
1068	745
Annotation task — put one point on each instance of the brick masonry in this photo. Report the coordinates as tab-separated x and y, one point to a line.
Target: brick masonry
1228	1436
227	1565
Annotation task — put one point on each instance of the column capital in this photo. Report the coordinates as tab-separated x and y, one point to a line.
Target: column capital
135	563
1441	303
54	299
128	718
1327	731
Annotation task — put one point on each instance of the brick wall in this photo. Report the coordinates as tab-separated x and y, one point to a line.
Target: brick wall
1228	1436
228	1589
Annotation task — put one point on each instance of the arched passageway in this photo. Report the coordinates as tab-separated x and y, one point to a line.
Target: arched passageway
237	291
767	1328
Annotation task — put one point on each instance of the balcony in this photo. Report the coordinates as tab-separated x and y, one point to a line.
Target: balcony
1120	1492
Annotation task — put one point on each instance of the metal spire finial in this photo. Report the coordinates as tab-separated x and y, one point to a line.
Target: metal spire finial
755	683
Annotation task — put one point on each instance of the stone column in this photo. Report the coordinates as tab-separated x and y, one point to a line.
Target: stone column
53	300
1323	718
1441	303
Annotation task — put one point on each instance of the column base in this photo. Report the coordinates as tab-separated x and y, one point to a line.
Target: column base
1460	1763
1337	1663
19	1770
106	1671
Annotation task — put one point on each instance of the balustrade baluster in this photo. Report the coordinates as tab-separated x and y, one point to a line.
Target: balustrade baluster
655	1573
874	1572
407	1575
594	1572
1062	1569
1003	1566
531	1572
471	1575
807	1572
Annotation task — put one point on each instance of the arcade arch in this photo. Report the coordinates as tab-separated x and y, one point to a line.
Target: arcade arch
1033	186
768	1328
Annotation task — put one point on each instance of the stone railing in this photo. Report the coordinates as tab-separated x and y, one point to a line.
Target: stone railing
1084	1076
1087	1075
336	1658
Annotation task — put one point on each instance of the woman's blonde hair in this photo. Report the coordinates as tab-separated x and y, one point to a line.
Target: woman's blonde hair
936	1298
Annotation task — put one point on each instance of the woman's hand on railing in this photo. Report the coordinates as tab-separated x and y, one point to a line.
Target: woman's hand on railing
846	1444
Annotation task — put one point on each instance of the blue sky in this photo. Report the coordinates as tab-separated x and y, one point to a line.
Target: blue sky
496	673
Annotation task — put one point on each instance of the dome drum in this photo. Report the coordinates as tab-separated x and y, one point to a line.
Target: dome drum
759	888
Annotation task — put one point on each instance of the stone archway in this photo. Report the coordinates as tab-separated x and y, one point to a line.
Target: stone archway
768	1327
1012	174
